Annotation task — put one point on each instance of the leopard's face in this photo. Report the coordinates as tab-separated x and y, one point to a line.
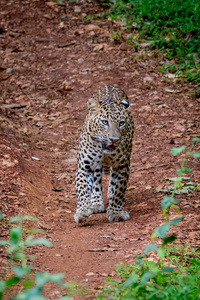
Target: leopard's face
108	124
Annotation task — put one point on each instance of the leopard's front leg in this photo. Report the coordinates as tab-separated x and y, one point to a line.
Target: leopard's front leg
116	192
96	194
83	182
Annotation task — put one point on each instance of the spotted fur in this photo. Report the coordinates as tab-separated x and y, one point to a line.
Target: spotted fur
105	142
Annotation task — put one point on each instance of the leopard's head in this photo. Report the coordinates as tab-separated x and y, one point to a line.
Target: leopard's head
108	123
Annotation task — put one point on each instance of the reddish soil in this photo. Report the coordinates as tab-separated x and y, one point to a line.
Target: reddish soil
51	63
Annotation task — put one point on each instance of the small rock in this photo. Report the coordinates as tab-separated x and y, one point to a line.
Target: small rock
66	86
91	33
80	60
9	70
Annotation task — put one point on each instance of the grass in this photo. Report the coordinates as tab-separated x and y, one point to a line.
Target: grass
170	25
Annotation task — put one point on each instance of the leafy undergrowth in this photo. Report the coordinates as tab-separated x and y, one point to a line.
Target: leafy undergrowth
16	278
176	276
161	272
169	25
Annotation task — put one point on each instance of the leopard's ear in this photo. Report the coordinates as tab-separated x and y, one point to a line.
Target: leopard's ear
93	105
125	102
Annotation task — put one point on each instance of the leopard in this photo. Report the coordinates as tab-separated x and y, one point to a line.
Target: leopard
105	144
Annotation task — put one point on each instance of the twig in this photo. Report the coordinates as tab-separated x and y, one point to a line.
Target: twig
67	45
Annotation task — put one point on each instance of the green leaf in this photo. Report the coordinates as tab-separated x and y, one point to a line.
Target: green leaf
177	150
139	261
150	248
16	219
27	284
178	178
41	241
145	277
15	234
183	170
195	140
1	216
12	281
42	278
19	255
34	293
169	239
176	220
161	253
4	243
196	262
129	281
168	269
154	235
162	230
166	202
177	208
21	271
196	154
2	285
19	219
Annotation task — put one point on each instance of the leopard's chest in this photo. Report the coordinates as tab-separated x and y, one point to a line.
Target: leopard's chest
114	159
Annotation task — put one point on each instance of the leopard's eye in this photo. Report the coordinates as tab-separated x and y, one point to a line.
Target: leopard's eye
104	122
121	124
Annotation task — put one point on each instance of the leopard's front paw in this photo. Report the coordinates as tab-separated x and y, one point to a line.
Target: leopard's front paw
81	216
120	215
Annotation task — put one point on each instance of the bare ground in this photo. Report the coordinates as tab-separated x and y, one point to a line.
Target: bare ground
51	63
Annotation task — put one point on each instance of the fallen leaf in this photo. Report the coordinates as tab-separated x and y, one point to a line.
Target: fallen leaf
103	47
91	27
8	163
90	274
148	187
148	79
50	4
169	91
170	75
131	187
47	16
77	9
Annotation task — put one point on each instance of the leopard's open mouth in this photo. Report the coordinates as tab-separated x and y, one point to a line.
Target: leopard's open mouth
108	147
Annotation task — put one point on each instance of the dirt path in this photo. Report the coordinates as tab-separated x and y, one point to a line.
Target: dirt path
51	63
